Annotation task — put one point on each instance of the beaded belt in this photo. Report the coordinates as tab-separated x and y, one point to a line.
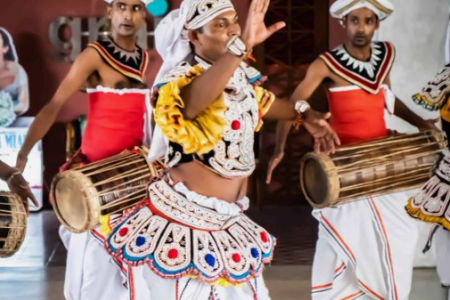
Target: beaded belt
176	237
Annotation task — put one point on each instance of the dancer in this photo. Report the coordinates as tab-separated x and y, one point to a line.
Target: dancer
190	239
432	202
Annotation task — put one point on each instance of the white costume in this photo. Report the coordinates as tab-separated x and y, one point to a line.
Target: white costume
432	203
91	274
365	248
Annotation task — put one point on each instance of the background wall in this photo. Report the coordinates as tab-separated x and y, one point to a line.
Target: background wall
418	30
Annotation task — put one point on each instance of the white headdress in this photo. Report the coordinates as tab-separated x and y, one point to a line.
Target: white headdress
382	8
171	39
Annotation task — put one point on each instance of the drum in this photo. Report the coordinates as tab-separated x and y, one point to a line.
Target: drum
81	195
13	223
378	167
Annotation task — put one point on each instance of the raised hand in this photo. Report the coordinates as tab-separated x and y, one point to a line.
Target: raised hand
256	31
325	139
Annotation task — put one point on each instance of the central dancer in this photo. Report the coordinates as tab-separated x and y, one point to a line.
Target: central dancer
190	239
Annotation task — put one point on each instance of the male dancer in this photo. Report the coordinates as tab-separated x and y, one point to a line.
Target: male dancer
432	203
190	239
365	248
113	69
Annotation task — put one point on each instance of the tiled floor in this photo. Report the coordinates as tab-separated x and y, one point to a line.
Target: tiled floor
36	272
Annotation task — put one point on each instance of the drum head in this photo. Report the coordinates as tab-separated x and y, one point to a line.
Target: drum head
72	204
318	180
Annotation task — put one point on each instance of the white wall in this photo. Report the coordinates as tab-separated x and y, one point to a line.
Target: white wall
418	29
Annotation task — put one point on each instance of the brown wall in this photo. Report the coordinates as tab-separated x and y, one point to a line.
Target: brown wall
337	33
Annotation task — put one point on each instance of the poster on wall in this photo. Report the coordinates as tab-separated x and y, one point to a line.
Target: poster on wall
14	102
14	95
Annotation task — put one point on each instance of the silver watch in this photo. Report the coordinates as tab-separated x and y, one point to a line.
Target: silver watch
301	106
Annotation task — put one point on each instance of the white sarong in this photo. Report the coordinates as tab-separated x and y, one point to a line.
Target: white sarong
365	250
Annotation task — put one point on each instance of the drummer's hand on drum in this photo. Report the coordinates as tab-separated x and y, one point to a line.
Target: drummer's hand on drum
428	124
325	138
18	185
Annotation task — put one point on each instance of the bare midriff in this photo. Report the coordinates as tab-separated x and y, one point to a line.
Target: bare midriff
204	181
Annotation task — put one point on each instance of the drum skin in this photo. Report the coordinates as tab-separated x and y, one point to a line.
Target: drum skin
378	167
13	223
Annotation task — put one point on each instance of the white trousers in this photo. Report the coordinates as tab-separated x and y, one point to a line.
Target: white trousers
365	250
91	274
441	241
146	285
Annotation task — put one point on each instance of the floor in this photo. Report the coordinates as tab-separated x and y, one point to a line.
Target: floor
36	272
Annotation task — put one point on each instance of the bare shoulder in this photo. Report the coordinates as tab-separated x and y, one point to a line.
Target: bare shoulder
319	68
89	57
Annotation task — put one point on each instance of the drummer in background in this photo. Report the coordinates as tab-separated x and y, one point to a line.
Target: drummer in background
17	184
366	248
431	204
113	69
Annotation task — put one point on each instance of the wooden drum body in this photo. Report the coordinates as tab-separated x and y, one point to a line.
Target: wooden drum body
13	223
377	167
106	187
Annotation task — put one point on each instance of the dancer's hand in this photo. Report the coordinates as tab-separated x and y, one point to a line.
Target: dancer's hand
392	132
256	31
18	185
277	157
428	124
325	138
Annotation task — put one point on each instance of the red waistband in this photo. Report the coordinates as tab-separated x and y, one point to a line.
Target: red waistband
357	115
115	123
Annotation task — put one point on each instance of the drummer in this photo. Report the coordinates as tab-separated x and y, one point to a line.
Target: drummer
366	247
17	184
113	69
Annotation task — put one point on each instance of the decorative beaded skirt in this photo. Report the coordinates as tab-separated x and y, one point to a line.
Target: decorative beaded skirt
177	237
432	204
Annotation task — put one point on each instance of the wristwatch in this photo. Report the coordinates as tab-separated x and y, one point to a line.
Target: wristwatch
301	106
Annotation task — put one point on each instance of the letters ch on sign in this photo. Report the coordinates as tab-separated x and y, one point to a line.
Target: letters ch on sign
82	31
